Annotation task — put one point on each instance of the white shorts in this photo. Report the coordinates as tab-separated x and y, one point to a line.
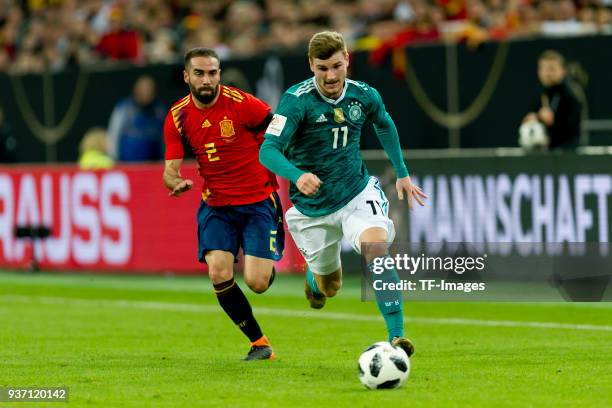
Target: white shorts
319	238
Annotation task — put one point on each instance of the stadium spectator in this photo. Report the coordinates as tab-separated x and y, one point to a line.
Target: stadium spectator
500	26
558	107
5	60
527	23
161	48
121	42
454	9
93	151
603	19
11	24
198	30
136	125
586	15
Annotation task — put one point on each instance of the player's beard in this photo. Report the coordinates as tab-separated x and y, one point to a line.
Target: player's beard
204	98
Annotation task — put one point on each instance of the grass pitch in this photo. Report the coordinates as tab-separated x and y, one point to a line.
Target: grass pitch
164	342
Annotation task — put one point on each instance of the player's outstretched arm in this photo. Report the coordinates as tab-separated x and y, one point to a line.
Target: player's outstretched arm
173	180
389	139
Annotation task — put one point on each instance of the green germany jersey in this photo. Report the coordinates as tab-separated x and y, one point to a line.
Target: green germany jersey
322	136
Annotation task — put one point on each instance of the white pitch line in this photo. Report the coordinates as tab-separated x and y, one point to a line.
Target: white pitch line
323	315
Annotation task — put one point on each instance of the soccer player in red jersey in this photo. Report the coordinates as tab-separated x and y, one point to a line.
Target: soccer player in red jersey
240	207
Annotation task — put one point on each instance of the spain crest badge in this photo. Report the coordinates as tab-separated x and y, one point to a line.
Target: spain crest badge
227	127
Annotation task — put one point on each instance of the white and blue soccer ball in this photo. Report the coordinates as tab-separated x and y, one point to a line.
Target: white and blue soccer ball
532	135
383	366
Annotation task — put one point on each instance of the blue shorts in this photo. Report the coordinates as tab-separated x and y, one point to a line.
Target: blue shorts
256	228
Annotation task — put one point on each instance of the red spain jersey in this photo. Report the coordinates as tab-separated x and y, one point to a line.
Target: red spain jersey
226	144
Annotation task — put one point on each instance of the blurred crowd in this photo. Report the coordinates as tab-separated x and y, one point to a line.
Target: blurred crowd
57	34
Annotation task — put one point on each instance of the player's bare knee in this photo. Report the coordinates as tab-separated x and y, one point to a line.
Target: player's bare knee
218	271
218	275
257	285
220	266
376	246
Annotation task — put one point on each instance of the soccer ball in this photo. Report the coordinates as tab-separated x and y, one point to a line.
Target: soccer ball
532	134
383	366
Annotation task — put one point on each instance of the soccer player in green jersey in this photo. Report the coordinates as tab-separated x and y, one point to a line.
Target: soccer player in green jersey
313	141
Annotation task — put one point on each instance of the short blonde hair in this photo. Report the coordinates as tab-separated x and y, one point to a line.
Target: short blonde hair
94	139
552	55
325	44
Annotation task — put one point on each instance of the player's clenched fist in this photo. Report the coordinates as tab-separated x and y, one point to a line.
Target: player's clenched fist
308	184
181	187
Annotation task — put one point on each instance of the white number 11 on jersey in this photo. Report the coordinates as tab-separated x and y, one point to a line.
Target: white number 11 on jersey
336	131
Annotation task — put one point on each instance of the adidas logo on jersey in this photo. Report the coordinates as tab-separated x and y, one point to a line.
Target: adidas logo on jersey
321	119
206	124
